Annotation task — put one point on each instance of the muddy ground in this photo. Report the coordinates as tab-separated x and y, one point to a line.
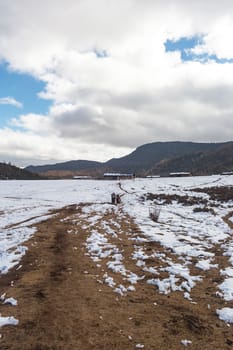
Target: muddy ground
63	305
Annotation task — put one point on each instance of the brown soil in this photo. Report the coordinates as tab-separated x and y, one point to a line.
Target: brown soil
63	305
220	193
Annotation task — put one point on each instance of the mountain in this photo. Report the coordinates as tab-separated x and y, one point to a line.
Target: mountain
8	171
146	156
73	165
151	159
213	161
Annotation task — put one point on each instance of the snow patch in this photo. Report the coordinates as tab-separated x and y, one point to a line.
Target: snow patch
8	321
225	314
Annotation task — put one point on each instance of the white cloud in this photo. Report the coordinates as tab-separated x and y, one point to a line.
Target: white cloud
26	148
136	92
10	101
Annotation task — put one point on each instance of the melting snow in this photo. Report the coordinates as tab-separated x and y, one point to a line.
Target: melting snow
186	342
226	314
188	237
5	321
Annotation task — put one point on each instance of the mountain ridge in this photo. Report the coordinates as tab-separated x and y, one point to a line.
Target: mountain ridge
159	158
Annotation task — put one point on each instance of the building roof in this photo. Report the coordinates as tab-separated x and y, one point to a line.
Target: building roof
117	174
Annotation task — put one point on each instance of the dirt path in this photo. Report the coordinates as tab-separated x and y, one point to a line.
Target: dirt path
63	304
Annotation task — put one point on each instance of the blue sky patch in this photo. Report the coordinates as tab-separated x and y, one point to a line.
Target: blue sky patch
22	88
184	46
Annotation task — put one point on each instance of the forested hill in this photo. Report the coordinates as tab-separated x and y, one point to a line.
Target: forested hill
71	165
8	171
147	156
213	161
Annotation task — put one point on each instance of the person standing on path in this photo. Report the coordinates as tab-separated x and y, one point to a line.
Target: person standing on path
113	198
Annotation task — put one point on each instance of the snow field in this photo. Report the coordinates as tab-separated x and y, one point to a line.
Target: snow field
187	238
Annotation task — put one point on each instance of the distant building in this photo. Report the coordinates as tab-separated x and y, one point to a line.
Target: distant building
180	174
227	173
82	177
118	176
152	176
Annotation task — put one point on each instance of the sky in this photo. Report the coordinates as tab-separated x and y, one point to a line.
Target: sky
96	79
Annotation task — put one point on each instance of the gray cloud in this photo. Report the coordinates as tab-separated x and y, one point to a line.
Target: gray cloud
81	123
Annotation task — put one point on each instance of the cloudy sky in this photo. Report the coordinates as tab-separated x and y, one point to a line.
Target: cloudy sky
93	79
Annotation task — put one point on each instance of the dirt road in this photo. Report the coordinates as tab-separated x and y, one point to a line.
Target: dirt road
63	303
